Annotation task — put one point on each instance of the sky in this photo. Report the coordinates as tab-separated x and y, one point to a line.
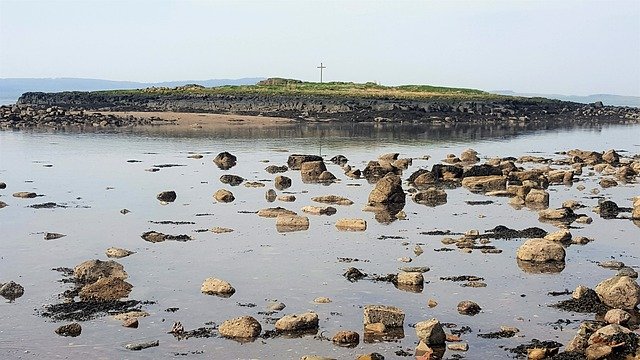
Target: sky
576	47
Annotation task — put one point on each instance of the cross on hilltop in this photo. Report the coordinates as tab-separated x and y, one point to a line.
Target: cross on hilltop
321	67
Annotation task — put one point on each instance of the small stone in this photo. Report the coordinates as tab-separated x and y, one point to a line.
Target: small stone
322	300
131	323
349	338
142	345
319	210
405	259
287	198
432	303
72	330
25	194
282	182
418	250
117	253
167	196
53	236
468	307
276	306
458	347
221	230
224	196
270	195
213	286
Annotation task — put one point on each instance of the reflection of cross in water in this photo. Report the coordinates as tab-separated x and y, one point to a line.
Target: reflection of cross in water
321	67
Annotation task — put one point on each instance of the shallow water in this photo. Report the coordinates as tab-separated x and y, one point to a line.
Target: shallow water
91	175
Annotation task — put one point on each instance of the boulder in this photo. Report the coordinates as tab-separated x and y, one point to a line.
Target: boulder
482	170
311	170
540	250
346	338
469	155
282	182
225	160
608	334
485	183
297	322
224	196
388	190
611	156
295	161
621	292
244	327
319	210
213	286
91	271
351	224
390	316
167	196
275	212
332	199
431	332
106	289
233	180
378	169
288	223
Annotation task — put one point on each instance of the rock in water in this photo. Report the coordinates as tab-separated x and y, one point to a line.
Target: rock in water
73	330
213	286
224	196
541	250
92	270
351	224
114	252
106	289
225	161
388	190
431	332
244	327
295	161
346	338
167	196
468	308
390	316
311	171
297	322
282	182
11	290
143	345
621	292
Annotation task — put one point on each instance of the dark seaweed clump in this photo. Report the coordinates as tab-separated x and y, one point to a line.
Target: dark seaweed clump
90	309
589	303
521	350
503	232
498	334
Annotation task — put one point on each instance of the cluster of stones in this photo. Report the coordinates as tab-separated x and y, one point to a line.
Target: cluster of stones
29	116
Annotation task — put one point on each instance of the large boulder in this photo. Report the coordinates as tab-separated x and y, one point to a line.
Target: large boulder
540	250
311	170
295	161
244	327
92	270
390	316
621	292
297	322
431	332
388	190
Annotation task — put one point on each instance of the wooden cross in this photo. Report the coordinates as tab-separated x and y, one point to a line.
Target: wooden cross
321	67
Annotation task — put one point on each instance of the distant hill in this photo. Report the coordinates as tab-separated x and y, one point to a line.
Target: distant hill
607	99
12	88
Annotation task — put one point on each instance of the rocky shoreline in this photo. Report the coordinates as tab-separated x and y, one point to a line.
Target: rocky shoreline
68	108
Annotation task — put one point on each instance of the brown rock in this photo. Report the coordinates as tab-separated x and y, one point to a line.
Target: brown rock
244	327
349	338
213	286
388	190
105	289
351	224
297	322
224	196
72	330
390	316
92	270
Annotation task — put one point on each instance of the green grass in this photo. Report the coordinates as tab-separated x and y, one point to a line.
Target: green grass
279	86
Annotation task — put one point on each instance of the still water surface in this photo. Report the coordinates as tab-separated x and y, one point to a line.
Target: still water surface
90	174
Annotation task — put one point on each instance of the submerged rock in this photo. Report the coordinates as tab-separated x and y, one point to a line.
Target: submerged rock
142	345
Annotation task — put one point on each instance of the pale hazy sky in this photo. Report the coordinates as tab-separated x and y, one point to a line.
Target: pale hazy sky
568	47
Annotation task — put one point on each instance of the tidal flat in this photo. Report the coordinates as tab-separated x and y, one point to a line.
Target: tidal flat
100	189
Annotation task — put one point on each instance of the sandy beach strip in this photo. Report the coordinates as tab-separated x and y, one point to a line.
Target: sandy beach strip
183	120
